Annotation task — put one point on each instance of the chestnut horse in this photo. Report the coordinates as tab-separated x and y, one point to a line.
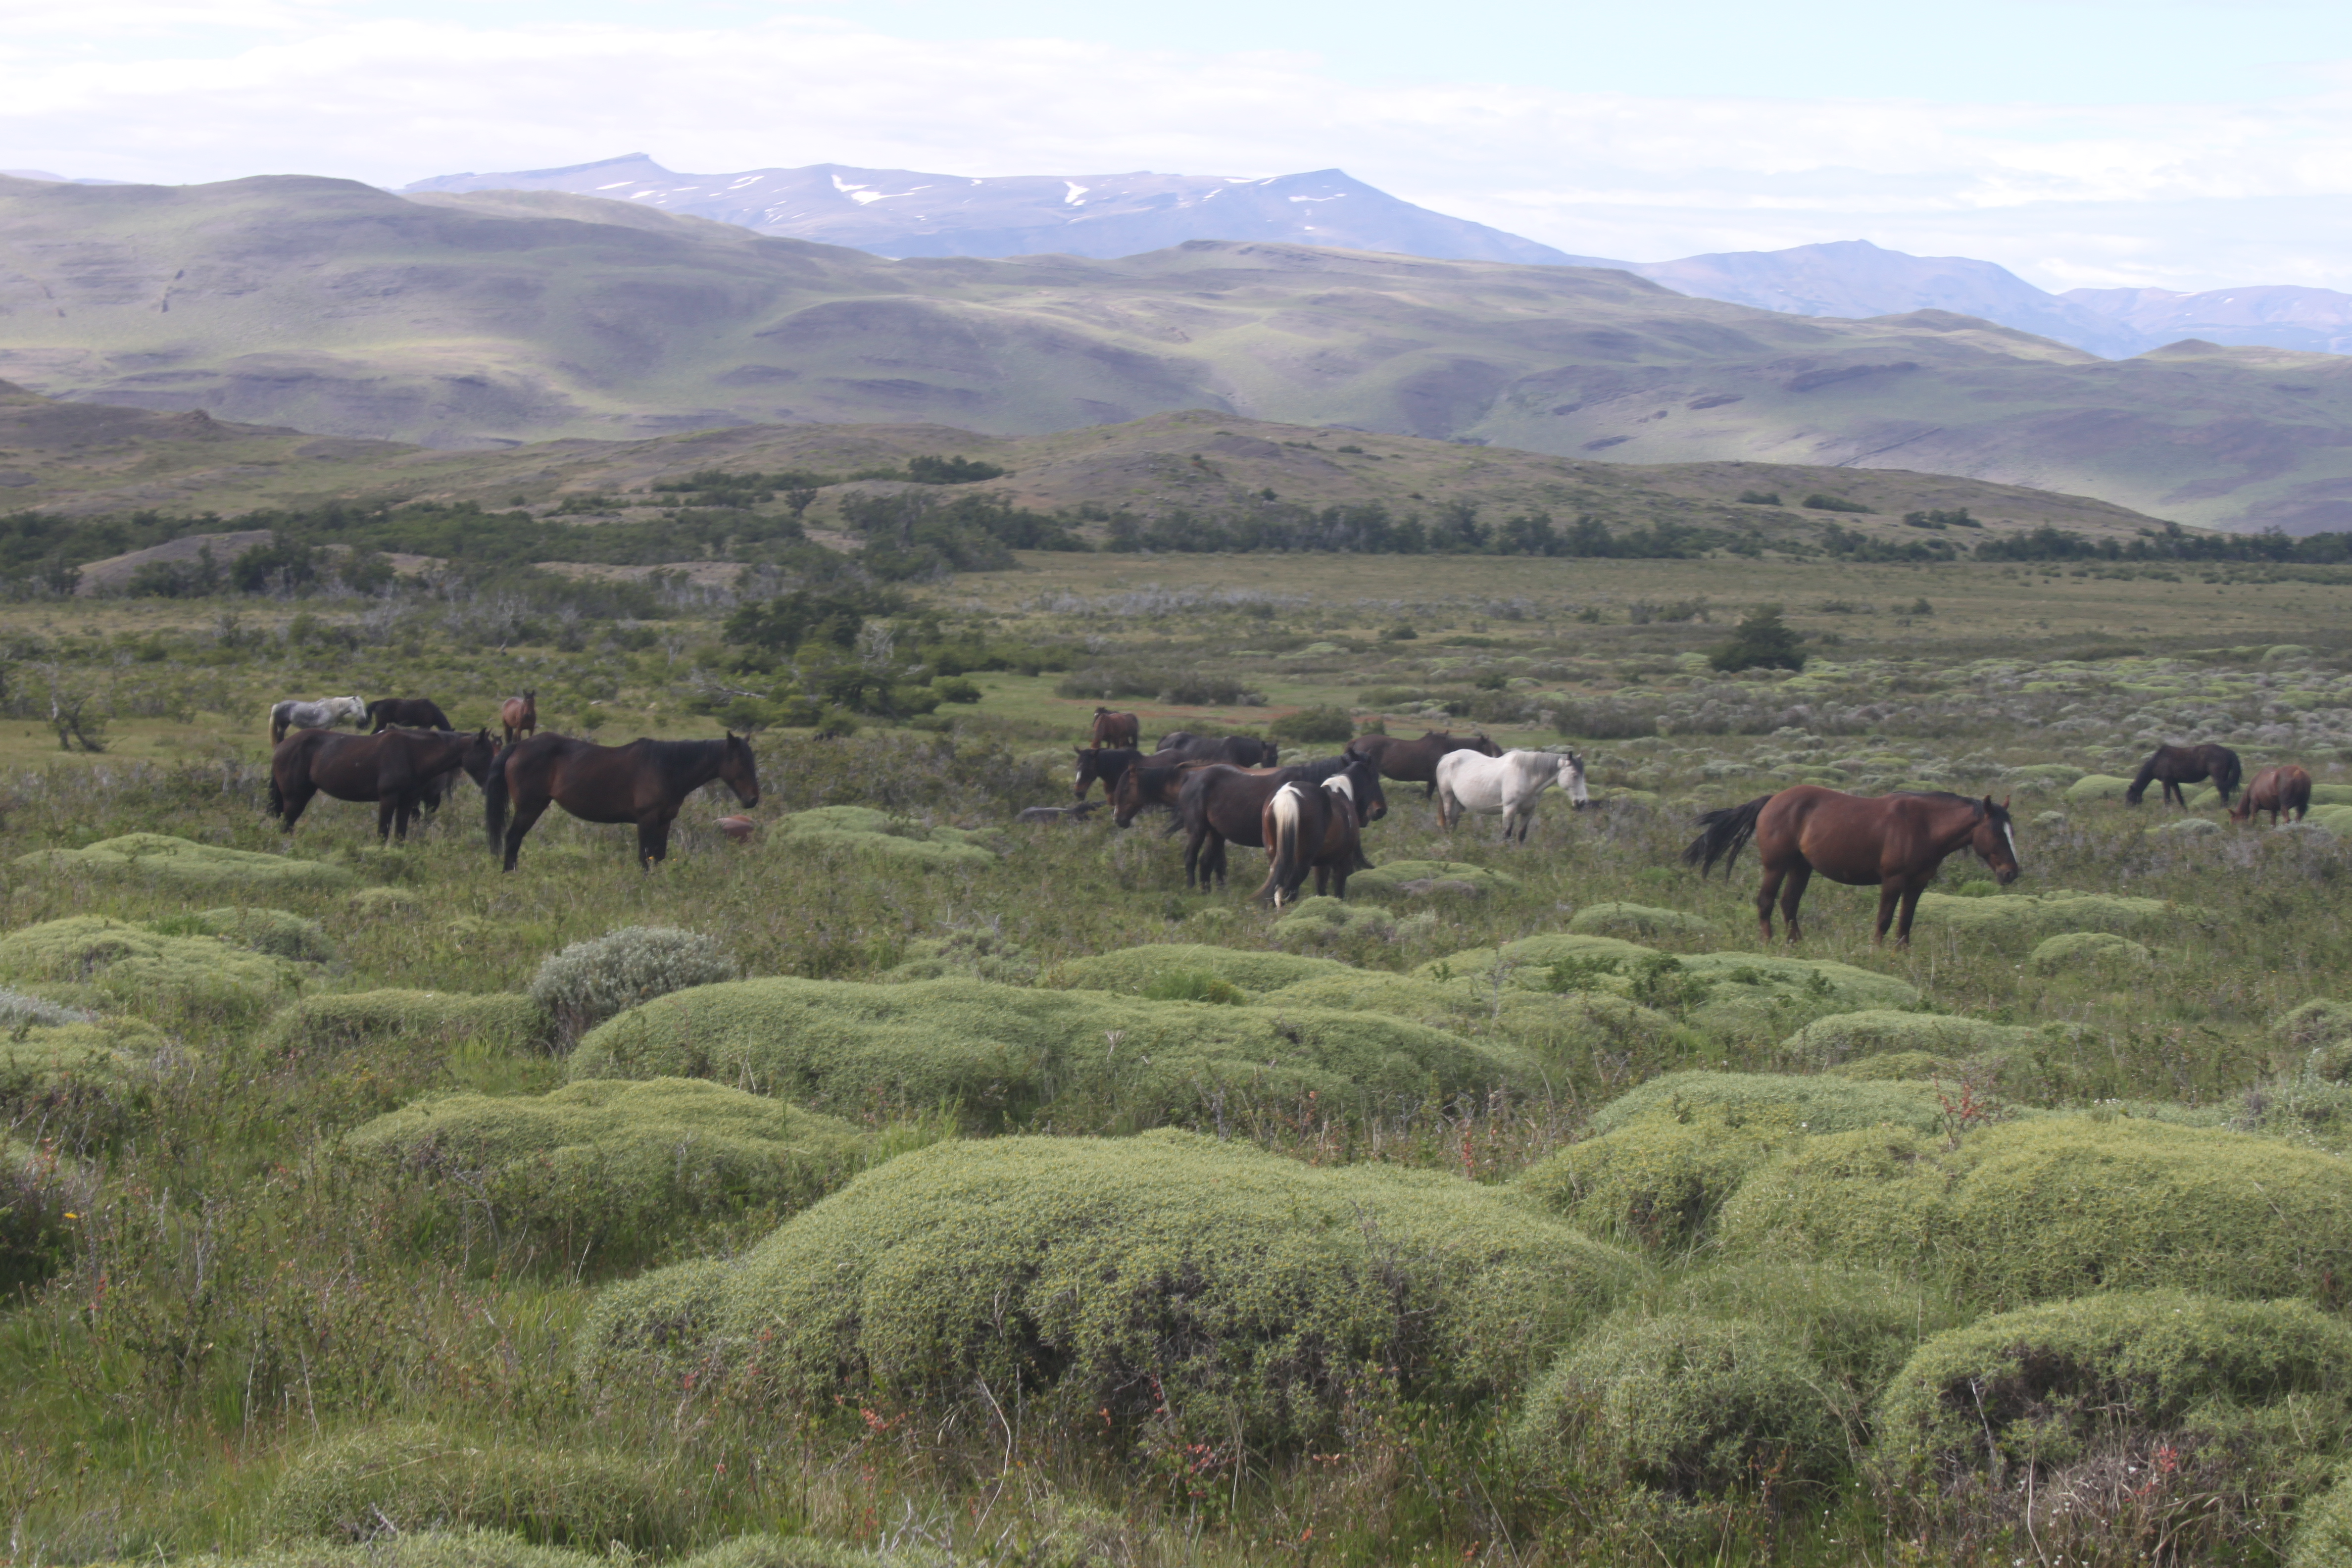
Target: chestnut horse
2275	790
644	782
519	715
393	768
2176	765
1117	729
1896	841
408	712
1220	804
1415	762
1306	828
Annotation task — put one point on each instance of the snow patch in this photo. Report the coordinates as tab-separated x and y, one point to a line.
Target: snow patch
1076	198
1339	198
615	186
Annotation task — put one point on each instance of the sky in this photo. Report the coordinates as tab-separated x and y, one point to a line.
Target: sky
2174	143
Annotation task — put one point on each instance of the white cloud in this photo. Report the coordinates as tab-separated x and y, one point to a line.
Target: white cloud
2188	195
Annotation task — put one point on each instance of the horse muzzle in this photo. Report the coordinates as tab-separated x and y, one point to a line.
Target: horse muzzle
2005	875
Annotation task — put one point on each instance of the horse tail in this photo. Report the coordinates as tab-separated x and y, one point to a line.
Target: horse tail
1282	850
277	797
1723	834
2233	773
494	799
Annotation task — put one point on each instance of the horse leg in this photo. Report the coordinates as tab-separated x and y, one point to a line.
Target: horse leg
296	799
527	814
1910	906
653	840
387	805
1773	875
1800	876
1889	894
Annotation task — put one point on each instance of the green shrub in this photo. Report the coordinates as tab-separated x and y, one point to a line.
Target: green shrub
1557	1030
43	1191
1847	1037
1738	993
1205	1289
2241	1404
1194	985
2018	918
138	968
2098	786
2059	1206
500	1548
411	1475
2088	952
1315	727
602	1172
2319	1022
956	688
862	830
182	863
19	1007
1776	1103
1631	920
1004	1055
1528	958
276	931
1762	640
78	1084
365	1020
1332	920
975	952
1423	878
591	981
1130	969
1656	1181
2322	1529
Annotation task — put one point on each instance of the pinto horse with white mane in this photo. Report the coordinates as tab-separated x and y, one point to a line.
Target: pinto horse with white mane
323	714
1509	785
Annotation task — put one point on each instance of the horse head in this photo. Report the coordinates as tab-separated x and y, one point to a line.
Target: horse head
736	770
1371	802
475	755
1485	747
1086	772
1571	781
1995	840
1126	798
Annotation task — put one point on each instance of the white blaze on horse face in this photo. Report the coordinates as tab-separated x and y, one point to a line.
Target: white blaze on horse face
2012	837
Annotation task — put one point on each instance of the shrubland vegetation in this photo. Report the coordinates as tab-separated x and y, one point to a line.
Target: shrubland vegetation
908	1183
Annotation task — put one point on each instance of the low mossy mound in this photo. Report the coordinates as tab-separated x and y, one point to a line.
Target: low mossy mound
2322	1529
1131	969
1632	920
602	1172
2057	1206
2237	1409
414	1476
1554	1028
2017	919
362	1020
1531	956
2093	952
1002	1055
1324	919
80	1084
1777	1102
138	968
2098	787
1738	993
1849	1036
502	1549
862	830
1656	1181
1428	879
2186	827
279	932
195	867
1169	1280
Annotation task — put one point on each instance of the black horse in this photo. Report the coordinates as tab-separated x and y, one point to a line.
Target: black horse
408	712
394	768
1237	751
1415	762
2176	765
1221	803
644	782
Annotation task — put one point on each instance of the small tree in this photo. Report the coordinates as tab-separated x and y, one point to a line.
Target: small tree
1762	641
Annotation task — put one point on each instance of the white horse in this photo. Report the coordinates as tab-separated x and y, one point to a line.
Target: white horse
323	714
1509	784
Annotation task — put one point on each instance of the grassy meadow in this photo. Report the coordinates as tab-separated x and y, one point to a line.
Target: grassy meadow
974	1191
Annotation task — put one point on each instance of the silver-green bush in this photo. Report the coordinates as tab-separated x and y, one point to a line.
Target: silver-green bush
591	981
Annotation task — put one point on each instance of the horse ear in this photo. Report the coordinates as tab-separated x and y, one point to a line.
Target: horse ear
2004	802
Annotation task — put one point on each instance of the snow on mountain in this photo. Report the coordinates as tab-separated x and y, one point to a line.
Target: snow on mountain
2282	316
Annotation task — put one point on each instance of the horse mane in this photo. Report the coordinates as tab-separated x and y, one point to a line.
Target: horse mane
1317	771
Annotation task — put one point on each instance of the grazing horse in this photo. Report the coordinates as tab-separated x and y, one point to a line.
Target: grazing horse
393	768
408	712
323	714
1239	750
1117	729
1109	764
1306	828
1220	804
644	782
1415	762
1896	841
2176	765
1149	783
2275	790
1509	785
519	715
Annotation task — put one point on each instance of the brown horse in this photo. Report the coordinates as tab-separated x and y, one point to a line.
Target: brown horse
1117	729
2275	790
393	768
1896	841
407	713
2176	765
1240	751
644	782
1306	828
1220	804
1415	762
519	715
1146	784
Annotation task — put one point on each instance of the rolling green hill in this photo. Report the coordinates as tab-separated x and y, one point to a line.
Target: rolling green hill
478	321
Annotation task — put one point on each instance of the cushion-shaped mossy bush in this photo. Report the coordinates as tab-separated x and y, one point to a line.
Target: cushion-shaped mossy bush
862	830
281	932
407	1475
1778	1103
1554	1028
187	866
2322	1529
1410	878
1130	969
2097	787
1526	960
2186	827
2251	1399
602	1172
1848	1036
1739	993
2014	919
2094	952
1631	920
142	969
981	953
81	1083
1168	1277
2318	1022
591	981
1002	1055
361	1020
2059	1206
1325	918
1656	1181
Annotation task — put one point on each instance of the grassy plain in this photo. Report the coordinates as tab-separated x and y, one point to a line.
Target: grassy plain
230	1292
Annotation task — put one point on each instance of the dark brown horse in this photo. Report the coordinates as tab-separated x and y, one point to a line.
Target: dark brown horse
2275	790
1109	764
519	715
1306	828
2176	765
1220	804
1117	729
393	768
1240	751
644	782
408	712
1895	841
1415	762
